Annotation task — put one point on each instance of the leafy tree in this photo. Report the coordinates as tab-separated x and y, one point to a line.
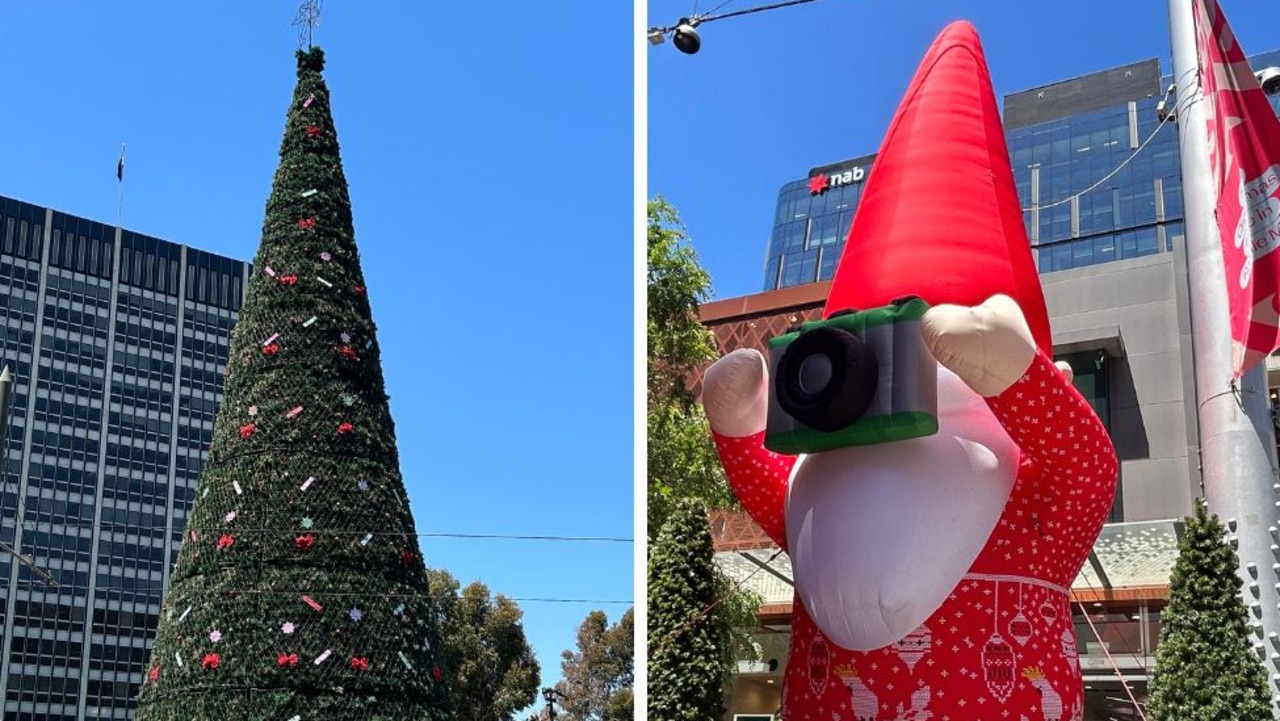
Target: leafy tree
300	590
682	459
598	677
1205	668
494	672
690	644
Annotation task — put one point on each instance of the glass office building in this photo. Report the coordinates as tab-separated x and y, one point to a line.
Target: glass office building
118	345
1063	139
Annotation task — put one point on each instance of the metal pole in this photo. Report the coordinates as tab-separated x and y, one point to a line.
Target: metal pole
6	391
1237	441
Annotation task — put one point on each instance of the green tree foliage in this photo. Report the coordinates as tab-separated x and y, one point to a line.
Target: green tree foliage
682	459
300	590
690	645
598	677
494	673
1205	668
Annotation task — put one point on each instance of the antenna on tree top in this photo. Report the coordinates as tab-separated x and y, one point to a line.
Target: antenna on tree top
307	20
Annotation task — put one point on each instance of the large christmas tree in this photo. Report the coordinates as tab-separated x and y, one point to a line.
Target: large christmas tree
300	592
1205	670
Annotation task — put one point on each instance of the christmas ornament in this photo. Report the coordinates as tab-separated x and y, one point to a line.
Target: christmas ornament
325	256
287	659
359	664
362	484
304	542
287	627
309	322
307	223
310	99
210	661
155	674
270	349
358	289
215	635
323	657
269	271
288	280
326	283
309	193
307	523
313	131
346	428
347	352
307	483
312	603
356	614
225	541
247	430
294	412
231	516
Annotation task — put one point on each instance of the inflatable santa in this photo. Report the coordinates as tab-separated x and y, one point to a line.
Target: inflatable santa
936	480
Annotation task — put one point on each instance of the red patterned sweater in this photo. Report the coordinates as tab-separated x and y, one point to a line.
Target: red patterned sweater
1002	645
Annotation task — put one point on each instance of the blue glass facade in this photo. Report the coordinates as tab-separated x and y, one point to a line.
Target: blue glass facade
1063	139
118	343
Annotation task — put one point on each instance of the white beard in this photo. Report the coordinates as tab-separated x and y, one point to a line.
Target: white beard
880	535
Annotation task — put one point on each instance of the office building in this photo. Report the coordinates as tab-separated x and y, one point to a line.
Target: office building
118	343
1107	233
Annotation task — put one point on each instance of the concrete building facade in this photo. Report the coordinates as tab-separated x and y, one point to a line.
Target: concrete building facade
118	344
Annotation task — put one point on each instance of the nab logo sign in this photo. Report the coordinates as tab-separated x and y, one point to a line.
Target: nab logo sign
820	184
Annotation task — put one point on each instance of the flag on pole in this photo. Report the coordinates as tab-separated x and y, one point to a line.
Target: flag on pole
1244	156
120	166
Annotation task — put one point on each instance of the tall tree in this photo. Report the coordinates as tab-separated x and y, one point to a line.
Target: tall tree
493	669
690	644
682	459
1205	668
598	677
300	591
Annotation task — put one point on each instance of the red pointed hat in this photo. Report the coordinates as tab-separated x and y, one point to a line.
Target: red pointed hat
939	216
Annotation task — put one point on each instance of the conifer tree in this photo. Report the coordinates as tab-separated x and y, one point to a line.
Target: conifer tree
1205	668
300	591
690	646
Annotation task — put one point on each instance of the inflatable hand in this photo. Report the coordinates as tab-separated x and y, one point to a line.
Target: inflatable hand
735	394
989	346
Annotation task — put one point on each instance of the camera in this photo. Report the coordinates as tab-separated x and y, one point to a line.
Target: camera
856	378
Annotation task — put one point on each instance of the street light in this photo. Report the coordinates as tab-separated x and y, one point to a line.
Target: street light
685	33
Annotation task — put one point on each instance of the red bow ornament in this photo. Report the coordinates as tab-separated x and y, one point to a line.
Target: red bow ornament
307	223
359	663
288	280
247	430
210	660
287	659
270	349
225	541
313	131
348	352
346	428
155	674
357	289
304	542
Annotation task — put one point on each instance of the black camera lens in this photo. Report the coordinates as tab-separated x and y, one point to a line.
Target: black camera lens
827	378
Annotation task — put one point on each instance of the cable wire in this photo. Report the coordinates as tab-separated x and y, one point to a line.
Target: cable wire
1176	110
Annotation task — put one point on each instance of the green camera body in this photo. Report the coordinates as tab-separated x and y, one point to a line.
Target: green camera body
856	378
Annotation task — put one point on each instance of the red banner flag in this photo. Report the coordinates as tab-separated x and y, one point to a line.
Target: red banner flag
1244	150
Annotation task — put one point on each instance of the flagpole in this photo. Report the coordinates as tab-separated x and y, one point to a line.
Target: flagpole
120	193
1237	439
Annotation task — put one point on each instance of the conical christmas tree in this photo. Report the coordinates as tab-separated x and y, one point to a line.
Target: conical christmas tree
300	592
689	635
1205	669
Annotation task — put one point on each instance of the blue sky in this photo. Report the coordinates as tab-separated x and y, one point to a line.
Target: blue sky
773	94
490	164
